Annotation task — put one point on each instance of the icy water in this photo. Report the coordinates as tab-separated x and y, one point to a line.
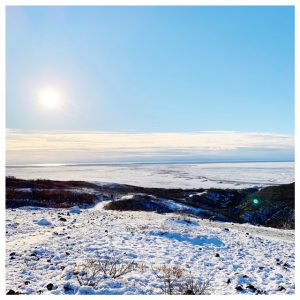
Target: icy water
192	175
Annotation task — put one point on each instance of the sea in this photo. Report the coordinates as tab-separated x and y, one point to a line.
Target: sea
166	175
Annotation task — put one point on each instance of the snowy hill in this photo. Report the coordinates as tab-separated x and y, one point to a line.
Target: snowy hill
52	258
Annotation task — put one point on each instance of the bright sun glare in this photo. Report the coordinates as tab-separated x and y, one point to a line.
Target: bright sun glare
50	98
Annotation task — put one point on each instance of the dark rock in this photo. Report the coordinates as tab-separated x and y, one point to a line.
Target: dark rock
281	288
62	219
189	292
49	287
245	276
12	254
217	255
239	288
12	292
226	229
67	253
251	287
68	288
106	230
228	281
26	282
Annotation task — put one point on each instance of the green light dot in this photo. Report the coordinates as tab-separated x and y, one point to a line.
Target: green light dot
255	201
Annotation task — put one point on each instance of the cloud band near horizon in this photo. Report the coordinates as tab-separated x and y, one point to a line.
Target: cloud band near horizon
37	147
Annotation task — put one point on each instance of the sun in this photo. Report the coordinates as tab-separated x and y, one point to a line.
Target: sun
50	98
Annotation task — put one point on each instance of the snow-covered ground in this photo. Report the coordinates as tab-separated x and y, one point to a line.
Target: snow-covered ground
201	175
235	257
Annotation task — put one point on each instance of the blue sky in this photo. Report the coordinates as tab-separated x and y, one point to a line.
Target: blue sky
152	69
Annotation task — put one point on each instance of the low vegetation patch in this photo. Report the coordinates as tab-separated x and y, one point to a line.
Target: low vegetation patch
138	203
56	198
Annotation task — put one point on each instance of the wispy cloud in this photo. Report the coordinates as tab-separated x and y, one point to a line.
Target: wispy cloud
27	147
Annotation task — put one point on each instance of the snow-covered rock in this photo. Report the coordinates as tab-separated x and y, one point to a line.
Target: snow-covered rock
75	210
44	222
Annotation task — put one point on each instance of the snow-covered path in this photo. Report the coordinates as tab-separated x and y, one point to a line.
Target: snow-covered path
234	256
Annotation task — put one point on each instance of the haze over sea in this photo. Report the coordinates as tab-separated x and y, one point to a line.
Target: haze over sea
166	175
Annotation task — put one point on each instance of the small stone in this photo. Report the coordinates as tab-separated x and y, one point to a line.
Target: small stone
226	229
67	253
245	276
228	281
62	219
239	288
252	288
281	288
189	292
26	282
49	286
286	265
217	255
12	254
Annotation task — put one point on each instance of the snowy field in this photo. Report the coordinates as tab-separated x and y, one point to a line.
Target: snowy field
44	257
205	175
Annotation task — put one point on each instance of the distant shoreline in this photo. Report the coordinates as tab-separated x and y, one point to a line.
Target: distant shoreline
143	163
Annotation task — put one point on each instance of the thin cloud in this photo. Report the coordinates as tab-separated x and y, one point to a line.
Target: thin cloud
24	147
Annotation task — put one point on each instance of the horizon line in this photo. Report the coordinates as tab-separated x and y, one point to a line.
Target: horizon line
38	165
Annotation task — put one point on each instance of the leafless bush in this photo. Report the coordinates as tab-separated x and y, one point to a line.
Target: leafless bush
170	277
88	273
193	286
176	281
113	265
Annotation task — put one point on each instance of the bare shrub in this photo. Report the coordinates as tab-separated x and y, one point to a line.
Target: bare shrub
88	273
114	265
170	277
193	286
176	281
92	271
